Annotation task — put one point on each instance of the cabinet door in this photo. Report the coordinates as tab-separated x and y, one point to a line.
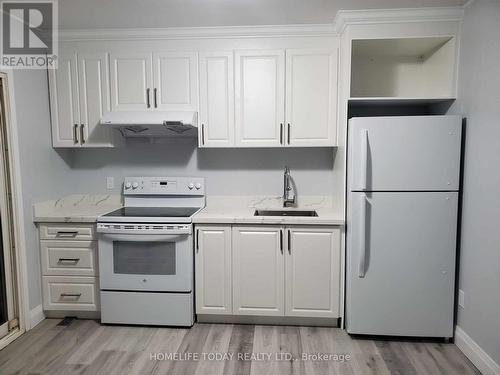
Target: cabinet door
311	97
63	88
131	81
258	280
259	98
312	272
175	81
94	99
216	99
213	270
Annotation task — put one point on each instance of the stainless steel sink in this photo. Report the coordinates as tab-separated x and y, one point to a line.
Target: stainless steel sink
285	213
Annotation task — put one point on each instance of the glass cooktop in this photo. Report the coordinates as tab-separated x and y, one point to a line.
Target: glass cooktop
156	212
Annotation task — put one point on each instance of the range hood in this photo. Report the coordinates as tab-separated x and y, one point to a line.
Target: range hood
152	123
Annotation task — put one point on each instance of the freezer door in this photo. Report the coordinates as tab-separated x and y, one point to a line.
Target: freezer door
419	153
401	250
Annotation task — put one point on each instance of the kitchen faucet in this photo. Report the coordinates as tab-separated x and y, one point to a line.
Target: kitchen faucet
288	199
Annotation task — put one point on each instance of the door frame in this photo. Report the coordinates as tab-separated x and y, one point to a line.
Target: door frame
19	239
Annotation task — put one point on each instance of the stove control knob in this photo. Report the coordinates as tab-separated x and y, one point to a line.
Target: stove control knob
135	185
191	186
128	185
198	186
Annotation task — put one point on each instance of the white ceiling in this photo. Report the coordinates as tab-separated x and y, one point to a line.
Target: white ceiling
82	14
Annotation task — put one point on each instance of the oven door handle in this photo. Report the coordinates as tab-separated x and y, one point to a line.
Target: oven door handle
144	237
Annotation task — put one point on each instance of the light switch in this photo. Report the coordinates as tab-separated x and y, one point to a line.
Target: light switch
110	183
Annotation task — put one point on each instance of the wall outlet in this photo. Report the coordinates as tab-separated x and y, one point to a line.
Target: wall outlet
110	183
461	298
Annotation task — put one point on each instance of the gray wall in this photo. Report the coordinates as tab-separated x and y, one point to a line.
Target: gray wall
479	102
43	171
227	171
75	14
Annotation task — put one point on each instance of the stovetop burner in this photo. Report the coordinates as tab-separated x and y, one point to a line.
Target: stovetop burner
156	212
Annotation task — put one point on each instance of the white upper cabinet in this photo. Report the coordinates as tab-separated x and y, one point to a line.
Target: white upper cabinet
63	85
154	80
259	98
244	98
216	99
79	96
296	110
258	264
93	79
311	97
131	81
404	68
175	81
312	272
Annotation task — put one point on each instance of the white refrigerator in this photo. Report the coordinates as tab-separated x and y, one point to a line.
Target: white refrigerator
403	183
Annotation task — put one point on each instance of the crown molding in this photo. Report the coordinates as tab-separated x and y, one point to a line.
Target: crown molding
354	17
197	32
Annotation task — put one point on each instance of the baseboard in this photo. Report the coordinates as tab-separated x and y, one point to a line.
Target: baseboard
264	320
36	316
475	353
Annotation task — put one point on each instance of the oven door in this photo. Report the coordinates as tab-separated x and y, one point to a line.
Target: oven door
146	262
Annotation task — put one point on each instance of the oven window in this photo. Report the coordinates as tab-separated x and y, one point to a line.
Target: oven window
144	258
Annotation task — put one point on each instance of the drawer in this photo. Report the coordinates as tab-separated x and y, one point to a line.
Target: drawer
70	293
70	258
85	232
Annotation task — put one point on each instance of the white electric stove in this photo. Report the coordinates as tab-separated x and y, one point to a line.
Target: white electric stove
146	252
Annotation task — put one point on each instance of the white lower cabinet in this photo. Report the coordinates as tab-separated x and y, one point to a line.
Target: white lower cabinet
268	270
258	281
213	270
69	267
312	272
70	293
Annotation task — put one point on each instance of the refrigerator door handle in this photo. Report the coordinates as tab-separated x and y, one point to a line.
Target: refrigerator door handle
362	236
364	159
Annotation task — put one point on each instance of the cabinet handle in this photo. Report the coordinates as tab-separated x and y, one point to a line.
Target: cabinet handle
148	104
75	134
203	134
288	133
74	260
197	240
281	240
77	295
66	233
281	133
289	242
82	133
154	96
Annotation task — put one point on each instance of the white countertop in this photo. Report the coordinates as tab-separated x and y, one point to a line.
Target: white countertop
240	210
218	210
75	208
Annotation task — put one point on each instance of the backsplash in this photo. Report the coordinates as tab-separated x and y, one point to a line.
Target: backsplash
227	171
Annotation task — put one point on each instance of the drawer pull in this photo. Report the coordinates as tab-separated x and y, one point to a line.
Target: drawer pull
76	295
72	260
62	233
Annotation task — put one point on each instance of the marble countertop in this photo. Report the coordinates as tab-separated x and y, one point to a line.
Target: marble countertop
240	210
218	210
75	208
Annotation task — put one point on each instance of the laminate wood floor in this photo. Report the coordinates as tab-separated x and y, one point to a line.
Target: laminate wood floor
86	347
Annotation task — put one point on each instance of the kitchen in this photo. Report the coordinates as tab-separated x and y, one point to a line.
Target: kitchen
181	171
